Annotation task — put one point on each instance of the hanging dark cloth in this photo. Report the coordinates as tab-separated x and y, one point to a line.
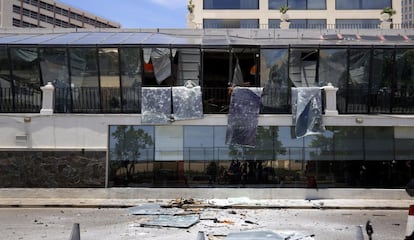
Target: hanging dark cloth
243	116
307	111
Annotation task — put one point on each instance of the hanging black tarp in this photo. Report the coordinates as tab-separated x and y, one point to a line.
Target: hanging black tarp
307	111
156	105
243	116
187	102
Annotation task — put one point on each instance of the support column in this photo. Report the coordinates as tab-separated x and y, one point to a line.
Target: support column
48	99
330	100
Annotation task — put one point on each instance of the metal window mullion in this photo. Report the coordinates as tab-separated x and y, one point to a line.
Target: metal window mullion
120	80
70	78
11	79
100	99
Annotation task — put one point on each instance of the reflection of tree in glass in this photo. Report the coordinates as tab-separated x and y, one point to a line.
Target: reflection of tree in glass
129	142
267	146
257	158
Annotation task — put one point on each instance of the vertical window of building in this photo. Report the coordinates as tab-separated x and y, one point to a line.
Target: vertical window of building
379	144
381	80
231	4
333	67
215	79
274	79
109	79
6	96
131	78
348	145
363	4
187	65
26	79
358	81
54	65
85	80
404	85
303	67
131	155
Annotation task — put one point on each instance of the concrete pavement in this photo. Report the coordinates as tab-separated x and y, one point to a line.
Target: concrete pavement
208	197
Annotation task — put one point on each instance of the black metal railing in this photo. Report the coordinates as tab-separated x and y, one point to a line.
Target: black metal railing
20	100
215	100
309	26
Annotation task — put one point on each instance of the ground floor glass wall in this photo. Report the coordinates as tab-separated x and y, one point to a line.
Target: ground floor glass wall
197	156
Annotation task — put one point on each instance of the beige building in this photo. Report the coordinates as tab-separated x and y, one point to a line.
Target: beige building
408	12
48	14
301	13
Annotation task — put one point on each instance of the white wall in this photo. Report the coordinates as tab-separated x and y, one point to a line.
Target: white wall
90	131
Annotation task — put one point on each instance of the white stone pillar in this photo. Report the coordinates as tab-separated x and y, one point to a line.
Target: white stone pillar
48	99
330	97
284	25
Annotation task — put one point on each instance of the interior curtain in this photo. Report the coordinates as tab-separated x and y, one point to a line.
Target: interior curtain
161	61
237	75
26	54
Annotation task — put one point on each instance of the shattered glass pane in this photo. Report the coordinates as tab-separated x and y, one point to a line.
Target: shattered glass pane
154	209
178	221
187	102
156	105
257	235
307	111
243	116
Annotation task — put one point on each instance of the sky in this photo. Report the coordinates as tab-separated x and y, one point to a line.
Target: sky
137	13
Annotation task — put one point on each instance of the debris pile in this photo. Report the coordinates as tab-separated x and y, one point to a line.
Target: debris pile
213	223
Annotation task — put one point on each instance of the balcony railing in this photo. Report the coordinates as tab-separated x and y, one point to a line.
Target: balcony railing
20	100
309	26
215	101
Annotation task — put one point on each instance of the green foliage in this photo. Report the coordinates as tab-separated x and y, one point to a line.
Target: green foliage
129	142
267	145
283	9
190	6
389	11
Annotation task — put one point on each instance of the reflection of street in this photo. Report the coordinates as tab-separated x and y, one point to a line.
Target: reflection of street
115	223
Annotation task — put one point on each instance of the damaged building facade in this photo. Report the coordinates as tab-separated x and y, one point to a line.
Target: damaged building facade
218	107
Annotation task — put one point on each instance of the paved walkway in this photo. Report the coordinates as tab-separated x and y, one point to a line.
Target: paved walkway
209	197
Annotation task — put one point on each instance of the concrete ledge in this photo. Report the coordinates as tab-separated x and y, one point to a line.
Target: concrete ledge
208	197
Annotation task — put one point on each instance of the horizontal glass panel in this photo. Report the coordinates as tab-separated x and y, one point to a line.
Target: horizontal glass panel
231	23
231	4
357	23
197	156
362	4
298	4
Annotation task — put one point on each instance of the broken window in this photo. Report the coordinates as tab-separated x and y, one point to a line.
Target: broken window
109	79
303	67
275	81
227	68
131	78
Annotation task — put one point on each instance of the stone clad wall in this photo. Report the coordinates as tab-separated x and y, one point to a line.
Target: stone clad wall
52	169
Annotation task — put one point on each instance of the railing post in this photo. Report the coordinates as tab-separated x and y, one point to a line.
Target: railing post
330	100
48	99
